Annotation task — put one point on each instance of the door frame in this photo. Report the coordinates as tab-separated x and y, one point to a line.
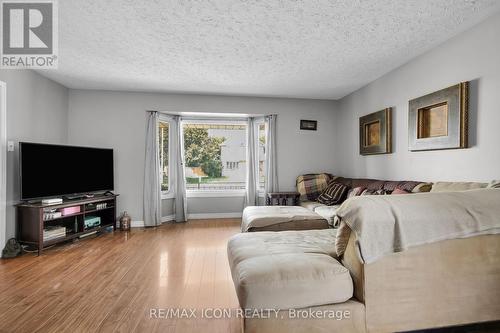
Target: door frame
3	163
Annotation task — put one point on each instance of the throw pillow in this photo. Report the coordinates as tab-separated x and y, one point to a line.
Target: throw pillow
355	192
334	194
374	192
410	186
381	192
400	191
390	185
310	186
367	192
494	184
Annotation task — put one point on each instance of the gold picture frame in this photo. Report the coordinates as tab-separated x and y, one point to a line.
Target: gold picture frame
375	133
439	120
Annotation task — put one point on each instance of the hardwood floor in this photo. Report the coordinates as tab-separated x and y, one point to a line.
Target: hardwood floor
111	283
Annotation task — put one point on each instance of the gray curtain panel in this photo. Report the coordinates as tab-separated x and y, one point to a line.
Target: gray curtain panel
152	189
177	168
271	184
251	195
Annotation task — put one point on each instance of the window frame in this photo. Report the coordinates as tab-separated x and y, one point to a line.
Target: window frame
213	193
169	194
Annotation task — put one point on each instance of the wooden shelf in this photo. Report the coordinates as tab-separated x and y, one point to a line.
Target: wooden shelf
64	217
97	210
31	224
73	235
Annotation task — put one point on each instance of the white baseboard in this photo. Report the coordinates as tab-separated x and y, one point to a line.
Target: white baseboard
137	224
214	216
140	224
200	216
167	218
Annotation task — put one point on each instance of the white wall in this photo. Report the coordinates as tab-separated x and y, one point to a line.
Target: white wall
36	111
118	120
472	56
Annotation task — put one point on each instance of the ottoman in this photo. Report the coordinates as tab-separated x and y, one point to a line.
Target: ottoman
287	269
280	218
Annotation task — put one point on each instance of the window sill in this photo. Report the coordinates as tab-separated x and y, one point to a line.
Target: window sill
167	195
210	194
214	194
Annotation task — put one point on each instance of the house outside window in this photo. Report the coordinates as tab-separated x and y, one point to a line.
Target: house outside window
215	155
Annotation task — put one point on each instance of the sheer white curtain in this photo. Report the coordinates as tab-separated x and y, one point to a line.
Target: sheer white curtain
252	194
271	184
177	169
152	187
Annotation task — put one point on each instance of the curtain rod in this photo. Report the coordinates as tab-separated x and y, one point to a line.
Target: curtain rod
212	115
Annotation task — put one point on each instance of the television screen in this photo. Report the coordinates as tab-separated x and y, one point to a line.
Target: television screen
54	170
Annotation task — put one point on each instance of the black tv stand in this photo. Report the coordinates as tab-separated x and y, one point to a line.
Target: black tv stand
109	193
31	220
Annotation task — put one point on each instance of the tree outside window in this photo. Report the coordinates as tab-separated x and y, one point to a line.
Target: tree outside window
215	156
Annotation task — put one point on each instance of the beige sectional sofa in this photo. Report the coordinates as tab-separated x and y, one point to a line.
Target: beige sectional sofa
443	283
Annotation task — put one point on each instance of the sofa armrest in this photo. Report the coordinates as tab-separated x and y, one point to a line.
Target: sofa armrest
352	261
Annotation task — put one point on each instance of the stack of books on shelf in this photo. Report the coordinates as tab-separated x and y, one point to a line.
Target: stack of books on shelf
53	232
51	215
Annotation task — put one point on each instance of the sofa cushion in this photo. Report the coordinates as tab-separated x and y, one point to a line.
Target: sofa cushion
327	212
334	194
289	269
376	185
248	245
311	205
361	182
291	281
456	186
279	218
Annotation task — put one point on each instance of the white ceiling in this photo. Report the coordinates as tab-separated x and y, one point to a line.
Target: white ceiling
296	48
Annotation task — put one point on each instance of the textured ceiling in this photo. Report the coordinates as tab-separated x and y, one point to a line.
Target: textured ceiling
302	48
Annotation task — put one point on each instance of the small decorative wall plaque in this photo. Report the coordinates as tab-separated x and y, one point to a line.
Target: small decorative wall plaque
309	125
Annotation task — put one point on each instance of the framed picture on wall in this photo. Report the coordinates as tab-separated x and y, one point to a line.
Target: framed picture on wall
375	133
439	120
309	125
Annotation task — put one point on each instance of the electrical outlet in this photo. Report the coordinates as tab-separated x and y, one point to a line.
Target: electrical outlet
10	146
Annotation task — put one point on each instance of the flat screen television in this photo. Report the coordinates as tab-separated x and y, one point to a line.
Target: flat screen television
55	170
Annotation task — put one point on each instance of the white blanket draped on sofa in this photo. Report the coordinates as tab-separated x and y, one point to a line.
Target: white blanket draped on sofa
388	224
